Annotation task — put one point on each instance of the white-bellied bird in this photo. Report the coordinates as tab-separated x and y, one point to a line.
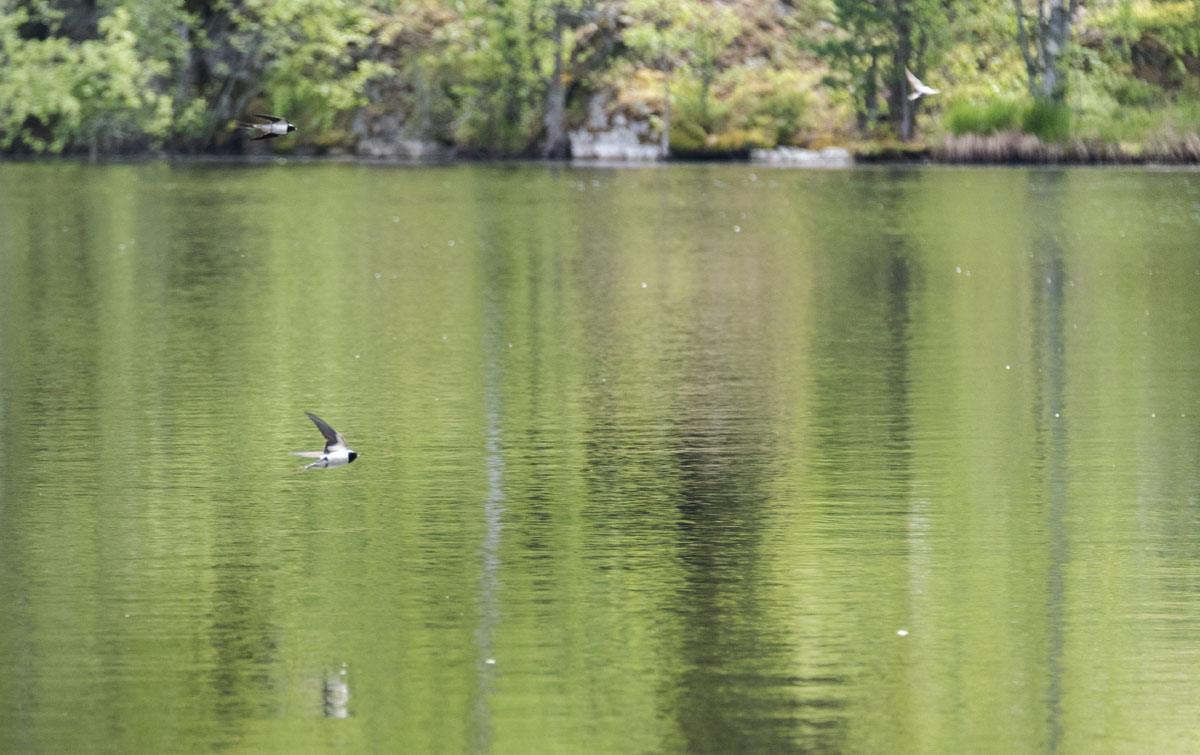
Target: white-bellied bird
919	87
336	454
274	126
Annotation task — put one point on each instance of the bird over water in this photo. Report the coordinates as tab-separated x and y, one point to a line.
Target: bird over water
336	454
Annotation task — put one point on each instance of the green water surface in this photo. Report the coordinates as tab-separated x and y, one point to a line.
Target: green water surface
686	459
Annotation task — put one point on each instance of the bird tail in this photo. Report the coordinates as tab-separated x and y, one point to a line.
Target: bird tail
914	96
309	454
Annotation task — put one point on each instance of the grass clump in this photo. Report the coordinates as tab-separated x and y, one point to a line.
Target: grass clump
984	118
1047	120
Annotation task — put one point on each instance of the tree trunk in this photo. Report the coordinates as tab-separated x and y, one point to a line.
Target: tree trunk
871	94
557	145
1058	29
664	147
902	107
707	75
1043	46
186	84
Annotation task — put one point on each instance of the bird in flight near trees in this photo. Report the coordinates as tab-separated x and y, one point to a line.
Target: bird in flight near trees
919	87
275	126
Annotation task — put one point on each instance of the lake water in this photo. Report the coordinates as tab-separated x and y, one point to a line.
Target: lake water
683	459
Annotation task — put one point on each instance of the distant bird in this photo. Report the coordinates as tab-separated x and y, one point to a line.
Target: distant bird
336	454
275	126
919	87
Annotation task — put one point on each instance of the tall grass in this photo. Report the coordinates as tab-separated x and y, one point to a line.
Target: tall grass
1046	120
984	118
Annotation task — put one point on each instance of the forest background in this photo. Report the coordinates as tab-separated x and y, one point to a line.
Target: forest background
514	78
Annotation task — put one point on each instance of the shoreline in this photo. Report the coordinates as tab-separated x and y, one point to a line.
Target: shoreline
999	151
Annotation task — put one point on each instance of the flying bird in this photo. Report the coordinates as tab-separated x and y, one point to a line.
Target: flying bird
919	87
275	126
336	454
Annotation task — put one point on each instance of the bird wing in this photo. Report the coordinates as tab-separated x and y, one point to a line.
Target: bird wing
271	118
309	454
263	135
333	439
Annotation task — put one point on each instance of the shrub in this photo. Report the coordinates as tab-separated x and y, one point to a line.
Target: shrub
773	102
686	136
1047	120
692	105
1133	92
737	140
56	94
740	113
984	118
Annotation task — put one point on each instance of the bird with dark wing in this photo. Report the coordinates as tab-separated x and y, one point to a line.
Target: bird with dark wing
336	453
274	126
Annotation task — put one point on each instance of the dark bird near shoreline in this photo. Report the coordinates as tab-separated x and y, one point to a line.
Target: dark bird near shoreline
275	126
336	454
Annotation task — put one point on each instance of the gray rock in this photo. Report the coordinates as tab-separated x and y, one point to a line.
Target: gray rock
623	142
830	157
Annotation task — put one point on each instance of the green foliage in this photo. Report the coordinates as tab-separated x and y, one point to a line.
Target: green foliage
691	36
991	117
58	95
686	34
773	103
1154	48
687	136
307	49
1048	120
876	43
112	75
739	140
162	29
742	112
502	55
1129	91
1173	24
694	104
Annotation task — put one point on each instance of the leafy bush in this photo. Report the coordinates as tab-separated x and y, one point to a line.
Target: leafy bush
56	94
984	118
1173	23
312	67
773	103
1133	92
739	114
687	136
738	140
1047	120
691	104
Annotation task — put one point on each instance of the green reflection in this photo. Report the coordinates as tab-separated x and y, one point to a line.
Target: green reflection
653	460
